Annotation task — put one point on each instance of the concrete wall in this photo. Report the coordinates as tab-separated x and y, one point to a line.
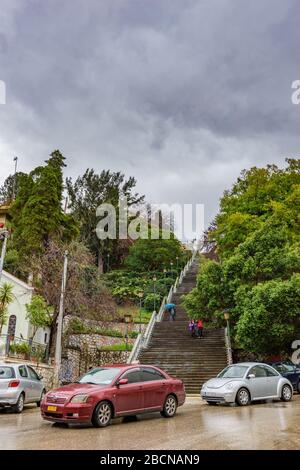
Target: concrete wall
76	362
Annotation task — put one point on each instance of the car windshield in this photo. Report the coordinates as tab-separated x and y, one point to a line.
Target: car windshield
233	372
99	376
6	372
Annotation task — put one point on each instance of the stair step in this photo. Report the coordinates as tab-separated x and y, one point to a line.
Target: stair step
172	348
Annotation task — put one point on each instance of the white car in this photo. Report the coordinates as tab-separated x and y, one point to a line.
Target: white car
246	382
20	384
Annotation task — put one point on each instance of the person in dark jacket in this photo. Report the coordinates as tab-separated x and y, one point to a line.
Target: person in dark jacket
192	328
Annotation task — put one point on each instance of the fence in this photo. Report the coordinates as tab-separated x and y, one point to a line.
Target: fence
11	346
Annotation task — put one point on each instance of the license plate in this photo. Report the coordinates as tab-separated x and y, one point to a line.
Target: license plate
52	408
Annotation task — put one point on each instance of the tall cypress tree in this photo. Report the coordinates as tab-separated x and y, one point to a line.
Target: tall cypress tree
37	213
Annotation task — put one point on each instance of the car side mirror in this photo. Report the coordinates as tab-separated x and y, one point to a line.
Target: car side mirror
251	376
122	382
41	377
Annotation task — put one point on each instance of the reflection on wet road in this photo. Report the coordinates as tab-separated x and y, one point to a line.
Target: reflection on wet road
196	426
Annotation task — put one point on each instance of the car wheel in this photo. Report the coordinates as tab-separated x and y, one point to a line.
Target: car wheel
298	387
102	415
19	406
212	403
170	407
286	393
38	403
243	397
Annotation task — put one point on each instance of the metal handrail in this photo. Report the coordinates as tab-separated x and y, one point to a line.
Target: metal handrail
142	340
135	350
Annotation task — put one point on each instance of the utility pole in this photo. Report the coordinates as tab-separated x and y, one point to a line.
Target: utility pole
60	320
15	178
3	235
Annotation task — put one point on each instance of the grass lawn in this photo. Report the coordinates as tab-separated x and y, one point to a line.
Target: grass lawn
117	347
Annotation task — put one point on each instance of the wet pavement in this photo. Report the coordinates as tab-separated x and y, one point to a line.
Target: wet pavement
196	426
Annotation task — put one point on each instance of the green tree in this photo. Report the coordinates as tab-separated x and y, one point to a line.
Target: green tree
38	313
86	194
151	255
37	213
6	297
10	188
257	236
270	318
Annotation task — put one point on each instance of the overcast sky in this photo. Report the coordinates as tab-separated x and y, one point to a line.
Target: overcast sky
181	94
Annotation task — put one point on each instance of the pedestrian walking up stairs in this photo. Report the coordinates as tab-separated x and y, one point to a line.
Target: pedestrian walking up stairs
171	347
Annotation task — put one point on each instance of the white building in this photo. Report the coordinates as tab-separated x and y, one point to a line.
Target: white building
17	325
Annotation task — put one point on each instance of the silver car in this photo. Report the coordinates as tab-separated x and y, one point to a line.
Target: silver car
246	382
20	384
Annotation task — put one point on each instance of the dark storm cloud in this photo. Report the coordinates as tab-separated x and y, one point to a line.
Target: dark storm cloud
182	94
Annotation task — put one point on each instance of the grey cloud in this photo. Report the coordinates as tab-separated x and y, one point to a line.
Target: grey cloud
167	90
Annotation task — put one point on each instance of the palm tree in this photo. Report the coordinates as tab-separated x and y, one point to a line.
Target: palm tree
6	297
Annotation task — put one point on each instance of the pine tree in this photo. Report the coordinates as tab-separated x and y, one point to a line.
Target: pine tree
37	213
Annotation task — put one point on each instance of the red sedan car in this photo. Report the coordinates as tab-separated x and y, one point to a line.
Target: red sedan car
104	393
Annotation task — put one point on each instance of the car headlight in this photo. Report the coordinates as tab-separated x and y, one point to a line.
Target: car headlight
79	398
229	386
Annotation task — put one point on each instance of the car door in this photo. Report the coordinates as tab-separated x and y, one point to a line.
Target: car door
26	383
272	381
257	384
154	387
129	397
35	383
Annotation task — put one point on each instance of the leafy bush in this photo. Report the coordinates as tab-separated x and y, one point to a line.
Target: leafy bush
149	301
20	348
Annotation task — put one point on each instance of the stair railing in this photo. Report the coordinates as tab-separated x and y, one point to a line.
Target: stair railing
143	339
135	350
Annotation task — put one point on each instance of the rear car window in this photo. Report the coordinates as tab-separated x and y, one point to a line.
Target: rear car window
7	372
151	374
23	371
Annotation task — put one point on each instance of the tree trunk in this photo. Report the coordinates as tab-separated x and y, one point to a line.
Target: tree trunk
100	262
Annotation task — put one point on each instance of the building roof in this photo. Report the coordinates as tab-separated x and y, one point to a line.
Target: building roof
16	280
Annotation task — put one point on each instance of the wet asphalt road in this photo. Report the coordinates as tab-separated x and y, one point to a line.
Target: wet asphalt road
196	426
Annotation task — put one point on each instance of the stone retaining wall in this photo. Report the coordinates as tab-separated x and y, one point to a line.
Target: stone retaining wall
44	370
78	361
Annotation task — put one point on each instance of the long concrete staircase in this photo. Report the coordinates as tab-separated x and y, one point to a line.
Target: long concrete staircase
171	347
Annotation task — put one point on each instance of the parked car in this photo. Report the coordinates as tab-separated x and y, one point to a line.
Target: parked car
246	382
290	372
104	393
19	385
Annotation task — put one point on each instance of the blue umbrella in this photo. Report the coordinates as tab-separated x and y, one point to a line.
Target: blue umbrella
169	306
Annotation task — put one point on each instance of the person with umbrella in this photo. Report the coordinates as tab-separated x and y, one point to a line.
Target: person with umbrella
171	308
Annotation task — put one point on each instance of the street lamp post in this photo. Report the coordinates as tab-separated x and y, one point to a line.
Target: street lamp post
140	295
165	272
171	265
177	263
108	255
154	292
15	178
127	318
226	318
60	319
